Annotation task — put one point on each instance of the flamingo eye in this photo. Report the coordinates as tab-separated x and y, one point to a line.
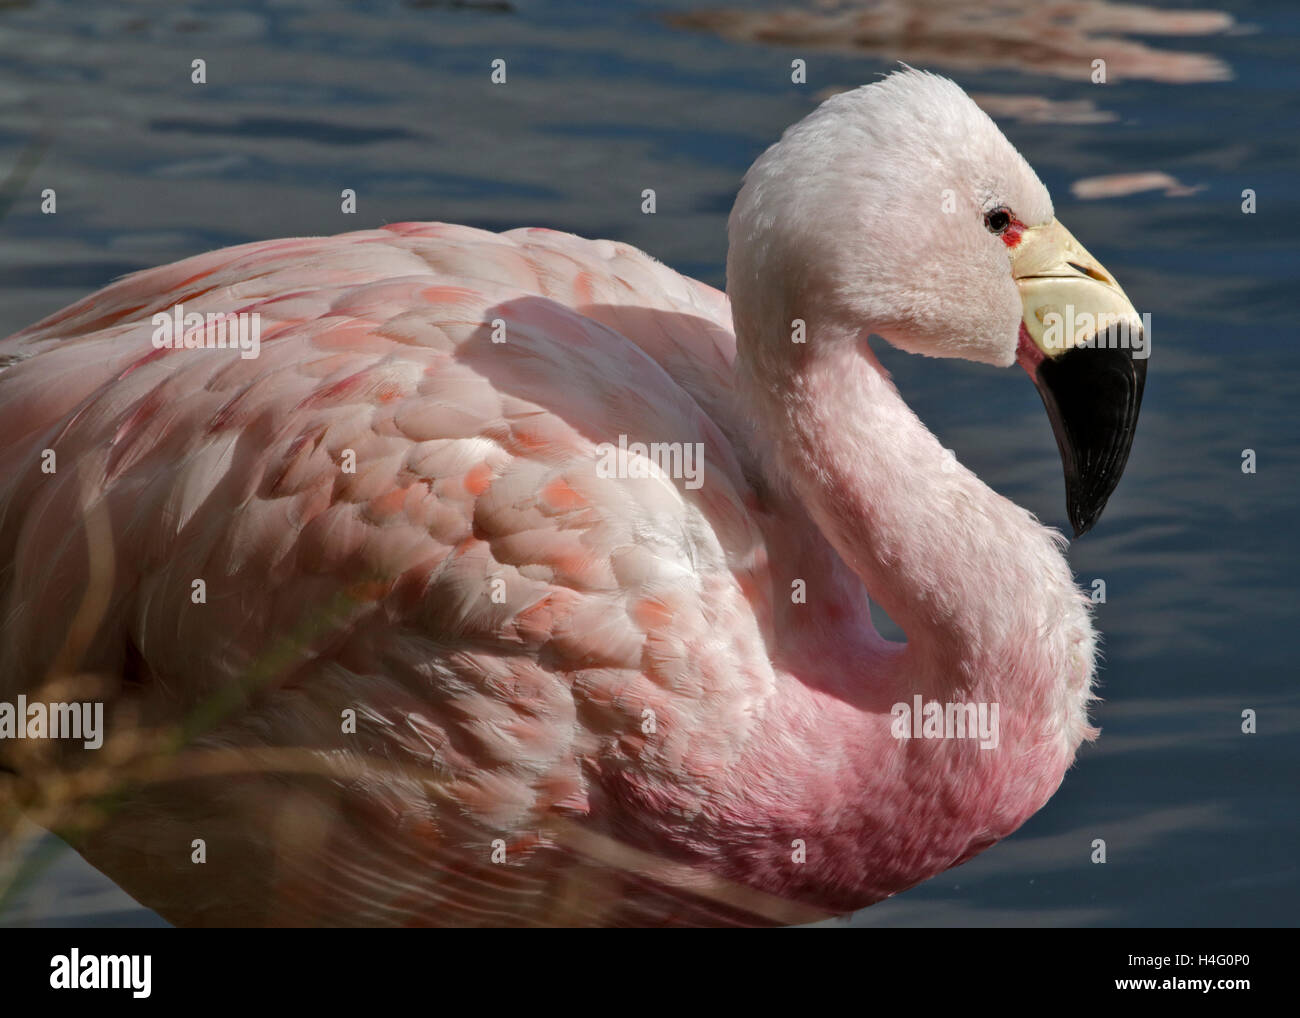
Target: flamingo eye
997	221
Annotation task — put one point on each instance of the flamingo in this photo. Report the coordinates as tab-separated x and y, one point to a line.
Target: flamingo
379	643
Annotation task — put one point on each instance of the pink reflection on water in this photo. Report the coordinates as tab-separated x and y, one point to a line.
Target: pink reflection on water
1117	185
1060	38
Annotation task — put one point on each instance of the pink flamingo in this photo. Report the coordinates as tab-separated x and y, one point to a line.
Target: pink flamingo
389	631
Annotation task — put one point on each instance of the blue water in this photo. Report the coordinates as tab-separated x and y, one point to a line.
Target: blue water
603	100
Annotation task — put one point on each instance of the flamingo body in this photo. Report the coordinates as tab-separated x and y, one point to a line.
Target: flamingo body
577	698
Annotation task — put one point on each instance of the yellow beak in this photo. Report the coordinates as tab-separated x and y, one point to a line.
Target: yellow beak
1085	347
1068	297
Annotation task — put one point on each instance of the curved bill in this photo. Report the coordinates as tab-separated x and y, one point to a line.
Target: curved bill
1083	344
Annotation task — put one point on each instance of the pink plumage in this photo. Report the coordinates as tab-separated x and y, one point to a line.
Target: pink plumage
578	698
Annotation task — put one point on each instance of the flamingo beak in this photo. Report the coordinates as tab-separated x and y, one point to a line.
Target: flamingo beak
1083	344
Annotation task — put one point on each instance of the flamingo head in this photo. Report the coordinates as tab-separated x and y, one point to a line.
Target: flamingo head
900	209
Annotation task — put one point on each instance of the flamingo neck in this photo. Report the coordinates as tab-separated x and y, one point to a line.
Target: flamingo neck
991	614
969	576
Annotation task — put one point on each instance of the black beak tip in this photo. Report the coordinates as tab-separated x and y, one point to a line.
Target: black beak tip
1084	520
1092	396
